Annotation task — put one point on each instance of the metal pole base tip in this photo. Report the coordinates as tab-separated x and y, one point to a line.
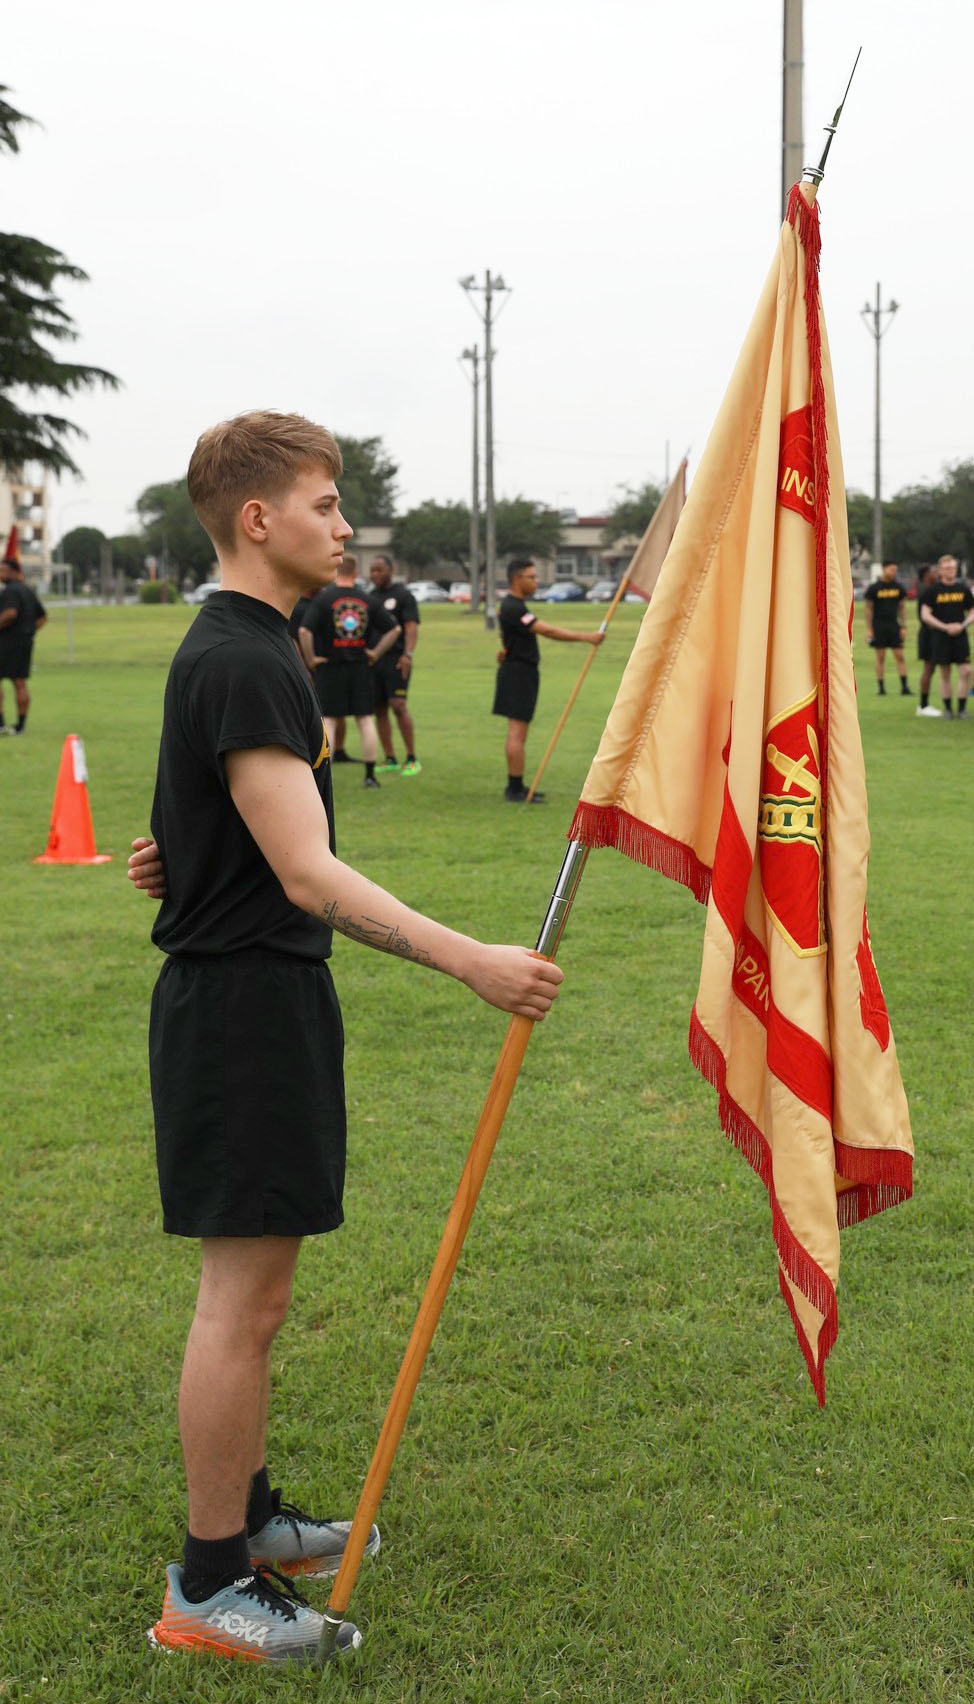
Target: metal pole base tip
337	1637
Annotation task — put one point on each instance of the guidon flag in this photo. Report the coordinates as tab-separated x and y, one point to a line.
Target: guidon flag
732	762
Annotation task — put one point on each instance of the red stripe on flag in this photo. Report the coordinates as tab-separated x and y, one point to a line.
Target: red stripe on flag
804	1272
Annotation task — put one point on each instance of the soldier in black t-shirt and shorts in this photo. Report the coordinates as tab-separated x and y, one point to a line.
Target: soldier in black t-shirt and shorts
342	637
21	616
948	611
245	1039
516	687
886	624
395	671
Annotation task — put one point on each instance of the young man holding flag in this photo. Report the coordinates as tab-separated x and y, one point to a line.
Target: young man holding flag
245	1034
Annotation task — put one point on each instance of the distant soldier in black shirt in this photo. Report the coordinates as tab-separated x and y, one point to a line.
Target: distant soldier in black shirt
245	1038
394	671
948	612
886	624
516	687
21	616
926	587
343	635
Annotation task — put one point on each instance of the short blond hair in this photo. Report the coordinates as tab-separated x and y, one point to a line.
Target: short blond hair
254	455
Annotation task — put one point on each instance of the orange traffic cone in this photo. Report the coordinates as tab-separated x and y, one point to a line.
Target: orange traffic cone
72	838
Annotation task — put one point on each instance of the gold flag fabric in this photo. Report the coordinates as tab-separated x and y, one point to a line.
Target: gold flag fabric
650	553
732	762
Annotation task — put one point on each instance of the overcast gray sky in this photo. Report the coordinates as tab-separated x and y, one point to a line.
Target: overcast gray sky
274	204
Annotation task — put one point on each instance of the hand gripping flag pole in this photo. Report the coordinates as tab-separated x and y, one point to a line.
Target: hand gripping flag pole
451	1243
642	575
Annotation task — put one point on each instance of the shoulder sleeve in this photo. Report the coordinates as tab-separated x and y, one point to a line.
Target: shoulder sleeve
409	608
242	695
41	612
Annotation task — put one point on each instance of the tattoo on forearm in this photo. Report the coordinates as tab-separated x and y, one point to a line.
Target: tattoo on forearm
385	937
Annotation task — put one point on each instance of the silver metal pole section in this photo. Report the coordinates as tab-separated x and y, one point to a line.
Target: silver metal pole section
792	139
562	898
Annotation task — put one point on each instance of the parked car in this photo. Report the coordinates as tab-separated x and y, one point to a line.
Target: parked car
563	591
459	592
427	591
201	593
602	592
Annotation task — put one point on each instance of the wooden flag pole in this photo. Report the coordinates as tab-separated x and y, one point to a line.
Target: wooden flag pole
485	1138
637	557
576	689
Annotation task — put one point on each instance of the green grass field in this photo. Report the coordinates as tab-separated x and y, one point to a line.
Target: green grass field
616	1483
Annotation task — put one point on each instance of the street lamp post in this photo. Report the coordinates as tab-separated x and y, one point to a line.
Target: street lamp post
490	287
874	317
473	356
66	570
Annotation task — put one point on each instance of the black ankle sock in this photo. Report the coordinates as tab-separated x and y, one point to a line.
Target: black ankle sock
369	771
209	1564
260	1503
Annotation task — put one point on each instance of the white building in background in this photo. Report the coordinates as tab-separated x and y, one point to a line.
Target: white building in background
24	504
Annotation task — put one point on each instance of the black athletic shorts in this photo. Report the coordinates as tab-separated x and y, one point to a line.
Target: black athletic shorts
15	658
345	689
516	691
887	639
245	1063
389	682
925	643
951	647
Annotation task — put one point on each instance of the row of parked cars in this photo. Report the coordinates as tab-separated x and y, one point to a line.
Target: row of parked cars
563	591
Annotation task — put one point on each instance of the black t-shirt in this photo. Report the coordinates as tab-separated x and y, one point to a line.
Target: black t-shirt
235	684
886	598
950	603
517	631
16	594
344	623
397	602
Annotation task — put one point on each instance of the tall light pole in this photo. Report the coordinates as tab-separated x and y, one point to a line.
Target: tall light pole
75	503
874	318
473	356
488	289
792	144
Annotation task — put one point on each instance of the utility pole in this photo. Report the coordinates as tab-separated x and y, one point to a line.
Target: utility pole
792	143
490	287
473	355
874	318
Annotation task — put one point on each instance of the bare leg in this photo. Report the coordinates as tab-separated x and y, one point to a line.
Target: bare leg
945	682
366	728
245	1288
880	667
517	736
384	727
401	712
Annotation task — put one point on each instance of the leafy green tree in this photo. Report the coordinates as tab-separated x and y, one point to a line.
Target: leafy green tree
31	317
368	482
631	514
129	554
525	528
82	548
434	535
171	531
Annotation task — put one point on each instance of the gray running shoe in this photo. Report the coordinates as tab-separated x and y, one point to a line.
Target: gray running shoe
294	1543
252	1619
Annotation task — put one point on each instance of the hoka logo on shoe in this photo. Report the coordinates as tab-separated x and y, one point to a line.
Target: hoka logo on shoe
255	1632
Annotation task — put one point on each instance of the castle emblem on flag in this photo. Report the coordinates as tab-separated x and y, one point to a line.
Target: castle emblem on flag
790	827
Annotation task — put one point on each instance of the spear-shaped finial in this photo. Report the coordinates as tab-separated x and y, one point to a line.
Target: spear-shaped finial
816	173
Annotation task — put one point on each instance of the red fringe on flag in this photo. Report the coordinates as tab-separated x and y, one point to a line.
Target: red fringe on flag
607	825
806	1275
